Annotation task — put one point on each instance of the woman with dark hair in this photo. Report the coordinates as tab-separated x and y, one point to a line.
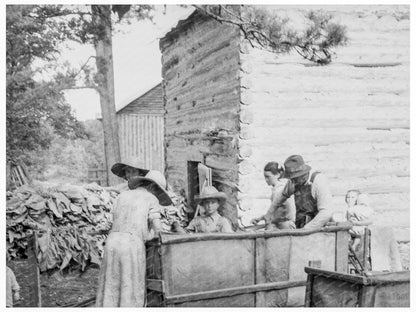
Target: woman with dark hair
280	216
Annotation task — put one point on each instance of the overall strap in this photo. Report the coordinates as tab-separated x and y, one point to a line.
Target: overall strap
314	175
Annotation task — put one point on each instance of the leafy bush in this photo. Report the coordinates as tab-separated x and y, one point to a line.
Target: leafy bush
68	160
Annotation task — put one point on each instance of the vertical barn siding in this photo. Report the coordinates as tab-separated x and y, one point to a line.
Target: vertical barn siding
140	136
350	122
200	69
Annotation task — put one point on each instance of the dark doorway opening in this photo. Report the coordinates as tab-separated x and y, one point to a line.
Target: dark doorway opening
193	185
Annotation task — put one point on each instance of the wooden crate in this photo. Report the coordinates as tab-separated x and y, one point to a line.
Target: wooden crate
336	289
264	269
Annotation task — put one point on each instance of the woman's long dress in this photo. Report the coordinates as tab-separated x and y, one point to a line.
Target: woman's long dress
121	281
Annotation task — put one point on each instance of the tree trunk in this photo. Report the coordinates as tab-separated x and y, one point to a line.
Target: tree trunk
101	15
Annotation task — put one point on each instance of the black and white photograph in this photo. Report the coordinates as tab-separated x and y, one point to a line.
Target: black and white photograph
208	155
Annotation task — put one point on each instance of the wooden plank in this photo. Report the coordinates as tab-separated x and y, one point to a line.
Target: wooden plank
366	250
228	292
260	273
184	95
269	101
355	279
367	123
277	258
198	267
341	251
395	295
361	113
382	278
155	285
308	291
167	274
191	71
366	296
176	239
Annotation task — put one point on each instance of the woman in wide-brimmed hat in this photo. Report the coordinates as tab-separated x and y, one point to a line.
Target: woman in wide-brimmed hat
130	167
210	220
174	216
122	275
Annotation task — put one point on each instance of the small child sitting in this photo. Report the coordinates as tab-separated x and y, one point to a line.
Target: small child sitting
359	213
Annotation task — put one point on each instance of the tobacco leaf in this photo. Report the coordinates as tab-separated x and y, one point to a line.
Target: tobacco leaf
52	206
62	216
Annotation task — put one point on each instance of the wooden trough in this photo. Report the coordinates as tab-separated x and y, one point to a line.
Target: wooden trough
263	269
335	289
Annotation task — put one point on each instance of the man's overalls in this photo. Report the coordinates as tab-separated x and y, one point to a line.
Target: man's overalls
306	205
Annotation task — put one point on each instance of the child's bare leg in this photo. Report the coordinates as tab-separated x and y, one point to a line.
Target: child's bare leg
355	243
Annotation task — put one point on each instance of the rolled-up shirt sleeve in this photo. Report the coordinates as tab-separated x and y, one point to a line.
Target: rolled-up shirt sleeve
322	194
225	226
282	200
279	198
192	225
154	209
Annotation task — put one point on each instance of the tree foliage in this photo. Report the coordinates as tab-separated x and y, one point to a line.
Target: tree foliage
35	108
271	32
68	160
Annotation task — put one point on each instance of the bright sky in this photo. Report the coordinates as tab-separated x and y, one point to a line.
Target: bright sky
136	56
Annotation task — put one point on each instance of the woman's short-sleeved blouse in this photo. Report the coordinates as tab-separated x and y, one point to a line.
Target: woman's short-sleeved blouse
132	211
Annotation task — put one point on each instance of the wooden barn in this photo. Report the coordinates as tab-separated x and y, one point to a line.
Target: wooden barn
234	108
141	126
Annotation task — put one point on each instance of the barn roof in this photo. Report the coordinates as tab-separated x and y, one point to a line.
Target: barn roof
153	95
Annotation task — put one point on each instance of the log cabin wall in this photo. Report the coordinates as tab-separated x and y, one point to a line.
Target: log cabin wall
200	70
349	119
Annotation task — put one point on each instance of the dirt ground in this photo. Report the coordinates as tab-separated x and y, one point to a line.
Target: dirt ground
68	289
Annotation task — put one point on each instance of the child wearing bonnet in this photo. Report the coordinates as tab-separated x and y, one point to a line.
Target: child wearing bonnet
359	213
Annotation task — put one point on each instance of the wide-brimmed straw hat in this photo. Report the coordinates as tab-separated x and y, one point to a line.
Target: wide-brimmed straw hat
210	192
154	182
119	169
295	167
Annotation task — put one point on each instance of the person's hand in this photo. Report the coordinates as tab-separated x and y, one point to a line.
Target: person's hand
256	220
351	222
177	228
16	296
271	227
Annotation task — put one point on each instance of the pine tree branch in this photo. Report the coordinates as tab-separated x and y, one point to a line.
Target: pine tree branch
310	47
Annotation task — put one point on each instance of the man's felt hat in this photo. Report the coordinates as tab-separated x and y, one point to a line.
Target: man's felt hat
119	169
210	192
295	167
154	182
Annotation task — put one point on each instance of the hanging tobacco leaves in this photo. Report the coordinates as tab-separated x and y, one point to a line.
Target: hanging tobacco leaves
66	218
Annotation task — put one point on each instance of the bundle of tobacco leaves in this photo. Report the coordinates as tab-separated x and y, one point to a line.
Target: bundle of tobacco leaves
66	218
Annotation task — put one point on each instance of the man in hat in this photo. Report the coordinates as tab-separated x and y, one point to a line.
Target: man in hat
210	220
313	197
